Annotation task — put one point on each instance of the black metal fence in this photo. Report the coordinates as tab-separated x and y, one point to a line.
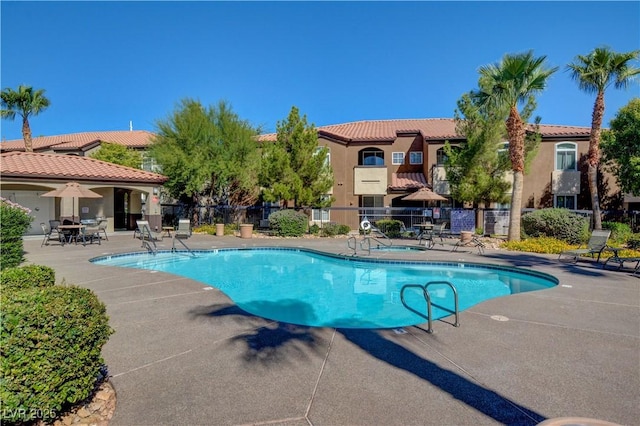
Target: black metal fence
494	221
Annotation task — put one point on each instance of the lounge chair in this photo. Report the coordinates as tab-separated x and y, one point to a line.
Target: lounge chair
596	244
474	241
146	233
184	229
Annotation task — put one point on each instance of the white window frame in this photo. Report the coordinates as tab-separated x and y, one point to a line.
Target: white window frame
566	147
413	155
394	158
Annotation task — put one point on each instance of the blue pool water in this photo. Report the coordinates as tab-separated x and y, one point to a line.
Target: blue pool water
316	289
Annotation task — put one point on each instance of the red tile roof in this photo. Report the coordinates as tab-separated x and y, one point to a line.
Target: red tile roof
430	128
404	181
33	165
132	139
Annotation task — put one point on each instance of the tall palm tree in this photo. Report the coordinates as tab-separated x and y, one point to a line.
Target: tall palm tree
24	102
513	81
594	73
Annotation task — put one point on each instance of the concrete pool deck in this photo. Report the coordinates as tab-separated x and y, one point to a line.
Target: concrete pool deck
183	354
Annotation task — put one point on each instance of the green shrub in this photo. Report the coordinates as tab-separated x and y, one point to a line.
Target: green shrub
14	221
314	229
50	347
620	232
390	227
633	242
561	224
332	229
23	277
288	223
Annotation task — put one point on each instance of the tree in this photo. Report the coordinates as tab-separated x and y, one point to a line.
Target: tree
621	147
209	155
24	102
294	167
594	73
512	82
475	169
118	154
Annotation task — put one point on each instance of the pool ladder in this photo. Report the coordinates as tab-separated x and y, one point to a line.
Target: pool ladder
427	298
365	242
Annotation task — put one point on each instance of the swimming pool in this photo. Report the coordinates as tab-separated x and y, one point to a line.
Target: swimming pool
317	289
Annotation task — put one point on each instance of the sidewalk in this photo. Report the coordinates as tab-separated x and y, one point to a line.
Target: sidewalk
183	354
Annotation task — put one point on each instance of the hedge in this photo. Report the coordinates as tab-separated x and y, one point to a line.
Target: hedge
288	223
14	221
23	277
50	350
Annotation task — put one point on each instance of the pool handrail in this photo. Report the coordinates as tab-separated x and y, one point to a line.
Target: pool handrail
427	298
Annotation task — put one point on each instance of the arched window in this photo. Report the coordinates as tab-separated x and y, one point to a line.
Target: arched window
371	157
566	155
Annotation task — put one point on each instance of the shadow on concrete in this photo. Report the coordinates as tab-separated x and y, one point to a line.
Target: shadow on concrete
280	342
275	342
589	268
486	401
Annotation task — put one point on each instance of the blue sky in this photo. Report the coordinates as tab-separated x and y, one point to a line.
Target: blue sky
104	64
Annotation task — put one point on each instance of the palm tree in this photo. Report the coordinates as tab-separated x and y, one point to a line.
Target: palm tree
514	81
24	102
594	73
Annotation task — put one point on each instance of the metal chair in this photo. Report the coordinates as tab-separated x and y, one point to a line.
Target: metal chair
102	227
49	234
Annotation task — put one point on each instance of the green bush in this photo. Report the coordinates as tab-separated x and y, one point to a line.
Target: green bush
561	224
314	229
23	277
390	227
620	232
332	229
14	221
288	223
633	242
50	347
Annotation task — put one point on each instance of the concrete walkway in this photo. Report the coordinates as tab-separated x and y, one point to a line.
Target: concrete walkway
184	354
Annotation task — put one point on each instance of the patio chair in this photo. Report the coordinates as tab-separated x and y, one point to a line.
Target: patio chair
184	229
102	227
51	233
596	244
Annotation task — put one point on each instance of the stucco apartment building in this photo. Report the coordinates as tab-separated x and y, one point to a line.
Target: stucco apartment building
378	162
127	194
375	164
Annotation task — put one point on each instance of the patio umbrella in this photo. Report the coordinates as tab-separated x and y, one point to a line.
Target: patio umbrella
424	194
73	190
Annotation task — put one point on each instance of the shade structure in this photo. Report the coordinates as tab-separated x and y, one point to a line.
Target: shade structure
72	190
424	194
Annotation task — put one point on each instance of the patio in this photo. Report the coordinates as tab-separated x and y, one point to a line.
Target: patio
184	354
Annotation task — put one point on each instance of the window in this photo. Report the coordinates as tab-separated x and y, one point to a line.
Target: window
566	153
372	206
397	158
320	215
503	147
371	157
566	201
327	160
441	157
415	157
149	164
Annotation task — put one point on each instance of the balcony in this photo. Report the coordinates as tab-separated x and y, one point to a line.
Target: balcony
565	182
440	182
370	180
